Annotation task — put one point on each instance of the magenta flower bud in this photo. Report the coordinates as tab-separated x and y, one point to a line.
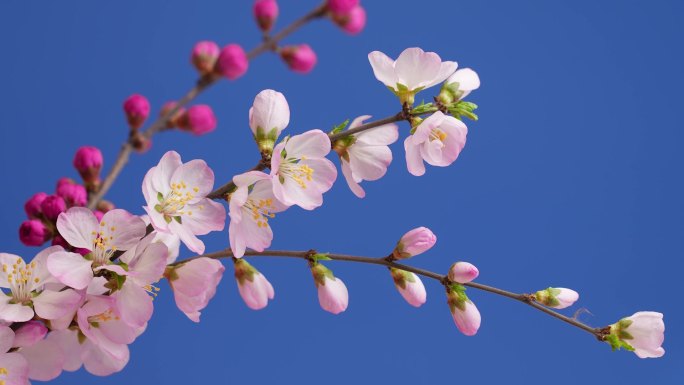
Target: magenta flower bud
463	272
64	181
352	22
265	13
173	119
556	297
59	241
232	62
137	109
33	233
29	333
204	56
415	242
74	195
52	206
198	120
300	58
32	205
88	162
341	6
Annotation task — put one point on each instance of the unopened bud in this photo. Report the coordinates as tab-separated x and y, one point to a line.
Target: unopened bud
300	58
74	194
463	272
341	6
33	233
265	13
52	206
556	297
32	205
410	286
415	242
88	162
352	22
199	120
254	288
332	292
137	109
232	62
204	56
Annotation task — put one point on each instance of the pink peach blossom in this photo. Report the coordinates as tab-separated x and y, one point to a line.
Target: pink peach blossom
410	287
194	284
438	140
45	359
332	292
172	241
300	171
252	204
175	193
366	155
14	368
254	288
85	353
28	292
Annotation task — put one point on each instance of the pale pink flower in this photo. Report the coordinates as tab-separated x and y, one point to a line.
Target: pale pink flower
463	272
644	331
463	310
14	368
414	242
194	284
145	266
252	204
438	140
265	13
557	297
254	288
268	117
332	292
85	353
467	80
412	72
117	231
300	58
204	56
172	241
175	193
300	171
28	292
410	286
45	359
29	334
366	155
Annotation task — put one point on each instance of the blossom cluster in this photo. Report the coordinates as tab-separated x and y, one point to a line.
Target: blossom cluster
84	299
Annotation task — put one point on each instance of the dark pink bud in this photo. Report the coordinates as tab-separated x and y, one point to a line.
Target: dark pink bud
204	55
173	119
353	21
137	109
88	162
199	120
83	252
29	334
265	13
73	194
232	62
141	143
63	181
52	206
300	58
59	241
341	6
32	206
33	233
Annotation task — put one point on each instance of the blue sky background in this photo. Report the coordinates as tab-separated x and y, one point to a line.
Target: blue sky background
572	177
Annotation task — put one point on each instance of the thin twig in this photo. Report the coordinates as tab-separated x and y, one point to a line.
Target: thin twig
202	84
524	298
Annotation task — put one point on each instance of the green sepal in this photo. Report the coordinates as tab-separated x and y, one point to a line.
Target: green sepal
401	277
456	297
340	127
321	257
617	344
423	108
320	272
244	271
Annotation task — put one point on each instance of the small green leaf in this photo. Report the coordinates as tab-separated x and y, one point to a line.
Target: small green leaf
340	127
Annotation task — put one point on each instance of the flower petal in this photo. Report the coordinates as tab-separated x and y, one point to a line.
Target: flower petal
197	178
55	304
70	269
76	226
353	186
383	68
124	228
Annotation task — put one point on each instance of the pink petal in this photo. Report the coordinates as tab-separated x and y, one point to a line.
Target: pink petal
196	175
17	368
187	237
468	320
71	269
383	68
379	136
76	226
446	68
14	312
369	162
161	177
353	186
416	68
6	339
467	80
312	143
45	359
55	304
207	216
414	293
7	260
414	162
128	229
103	363
67	340
134	305
333	296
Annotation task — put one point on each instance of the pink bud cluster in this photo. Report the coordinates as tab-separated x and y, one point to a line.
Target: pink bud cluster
348	15
231	61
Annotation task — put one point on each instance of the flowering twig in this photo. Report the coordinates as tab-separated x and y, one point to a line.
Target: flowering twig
521	297
202	84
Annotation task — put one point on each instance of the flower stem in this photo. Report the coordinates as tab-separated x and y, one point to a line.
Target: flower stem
520	297
202	84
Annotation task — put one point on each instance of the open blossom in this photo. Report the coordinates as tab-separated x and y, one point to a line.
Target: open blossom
438	140
28	294
175	193
194	284
366	155
332	292
300	171
145	263
78	352
463	310
412	72
643	331
414	242
117	231
251	206
463	272
410	286
268	117
557	297
254	288
172	241
13	366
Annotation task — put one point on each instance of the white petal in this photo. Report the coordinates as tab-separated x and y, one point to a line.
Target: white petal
383	68
76	226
